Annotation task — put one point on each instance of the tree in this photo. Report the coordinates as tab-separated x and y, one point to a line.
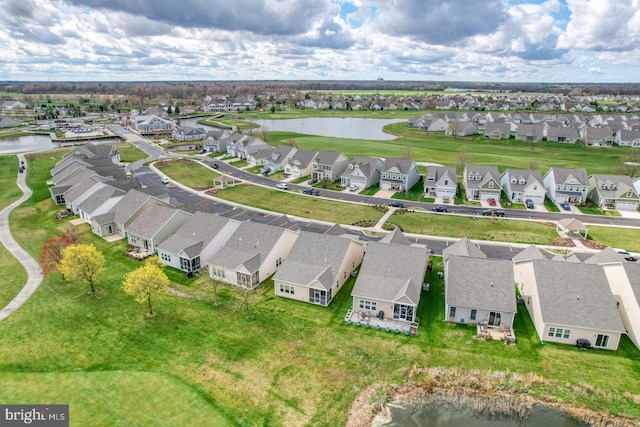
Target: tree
630	164
407	152
455	127
52	250
147	283
204	272
169	110
82	262
177	109
533	165
273	109
462	157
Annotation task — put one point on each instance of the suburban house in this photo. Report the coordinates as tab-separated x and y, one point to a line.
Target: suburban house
569	301
598	137
95	151
440	181
562	134
184	133
481	291
125	210
363	172
390	281
152	124
157	110
67	183
98	200
317	267
530	132
215	141
497	130
520	185
461	128
565	185
196	241
9	122
12	105
628	138
399	174
624	281
155	222
279	157
429	123
613	192
257	156
241	145
252	254
329	165
481	182
300	163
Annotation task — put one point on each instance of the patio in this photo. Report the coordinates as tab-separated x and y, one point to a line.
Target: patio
496	333
368	319
138	253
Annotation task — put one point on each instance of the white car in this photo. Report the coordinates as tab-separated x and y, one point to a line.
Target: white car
165	180
353	188
282	186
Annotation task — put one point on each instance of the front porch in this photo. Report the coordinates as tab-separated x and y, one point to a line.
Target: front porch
496	333
368	319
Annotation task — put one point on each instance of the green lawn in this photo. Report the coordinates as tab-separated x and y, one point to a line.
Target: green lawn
9	166
299	205
290	363
438	148
627	238
188	172
501	230
129	153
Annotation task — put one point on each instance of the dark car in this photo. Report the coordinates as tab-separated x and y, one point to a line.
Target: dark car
312	181
311	191
215	166
489	212
440	209
529	204
396	204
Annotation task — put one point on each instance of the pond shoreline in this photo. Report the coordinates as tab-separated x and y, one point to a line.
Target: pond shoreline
373	401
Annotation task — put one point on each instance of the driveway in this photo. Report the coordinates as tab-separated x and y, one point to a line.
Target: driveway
629	214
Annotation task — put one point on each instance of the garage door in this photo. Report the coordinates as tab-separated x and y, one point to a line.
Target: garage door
626	206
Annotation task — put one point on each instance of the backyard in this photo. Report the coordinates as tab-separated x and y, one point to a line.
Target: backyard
288	363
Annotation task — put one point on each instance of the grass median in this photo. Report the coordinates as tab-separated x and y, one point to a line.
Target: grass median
300	205
188	172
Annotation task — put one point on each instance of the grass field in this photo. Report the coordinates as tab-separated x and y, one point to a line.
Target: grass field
500	230
627	238
9	166
188	172
299	205
290	363
129	153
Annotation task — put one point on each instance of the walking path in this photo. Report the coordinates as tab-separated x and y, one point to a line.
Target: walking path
34	272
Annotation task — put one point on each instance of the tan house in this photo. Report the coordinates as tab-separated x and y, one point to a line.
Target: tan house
613	192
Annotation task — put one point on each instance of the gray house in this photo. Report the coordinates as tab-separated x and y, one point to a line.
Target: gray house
399	174
480	290
300	163
440	181
497	130
279	157
329	165
154	224
317	267
564	185
481	182
363	172
523	184
613	192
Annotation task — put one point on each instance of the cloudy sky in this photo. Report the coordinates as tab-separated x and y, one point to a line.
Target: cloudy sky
469	40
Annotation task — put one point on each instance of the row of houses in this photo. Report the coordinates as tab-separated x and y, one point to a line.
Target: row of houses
567	300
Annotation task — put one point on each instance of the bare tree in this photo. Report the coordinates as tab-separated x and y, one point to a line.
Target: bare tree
264	132
455	127
630	164
407	152
462	157
533	165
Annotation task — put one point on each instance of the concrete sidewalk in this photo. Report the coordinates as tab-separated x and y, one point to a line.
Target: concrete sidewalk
34	272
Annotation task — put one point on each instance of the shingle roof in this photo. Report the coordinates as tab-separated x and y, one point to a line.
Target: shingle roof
100	196
480	283
151	219
576	295
197	232
464	247
128	205
561	175
529	176
396	237
302	158
529	253
633	273
315	257
403	165
486	174
606	256
615	186
390	272
435	173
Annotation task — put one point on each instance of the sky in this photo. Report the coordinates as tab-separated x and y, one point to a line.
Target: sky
574	41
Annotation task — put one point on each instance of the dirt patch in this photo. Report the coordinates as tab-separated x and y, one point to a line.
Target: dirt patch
178	293
592	245
563	242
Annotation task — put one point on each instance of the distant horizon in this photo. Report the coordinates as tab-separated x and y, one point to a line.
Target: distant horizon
516	41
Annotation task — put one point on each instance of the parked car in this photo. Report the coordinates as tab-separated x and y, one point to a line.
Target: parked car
311	191
214	165
353	188
626	255
283	186
492	202
312	181
440	209
565	206
203	151
265	171
489	212
396	204
529	204
165	180
445	199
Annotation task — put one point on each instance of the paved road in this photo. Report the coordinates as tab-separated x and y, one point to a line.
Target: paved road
34	272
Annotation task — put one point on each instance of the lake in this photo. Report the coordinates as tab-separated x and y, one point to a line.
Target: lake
336	127
24	144
454	411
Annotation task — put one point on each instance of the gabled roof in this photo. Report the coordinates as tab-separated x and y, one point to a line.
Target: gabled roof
606	256
480	283
248	246
79	189
365	164
396	237
497	126
529	177
529	253
576	295
487	173
463	247
613	186
202	205
195	234
315	260
598	133
436	173
403	165
128	205
303	158
561	175
152	218
391	272
562	131
629	135
336	230
90	204
284	222
633	273
326	157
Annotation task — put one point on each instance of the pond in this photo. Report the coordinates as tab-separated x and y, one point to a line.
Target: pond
337	127
458	411
24	144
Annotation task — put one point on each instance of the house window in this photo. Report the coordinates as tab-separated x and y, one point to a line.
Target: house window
446	182
559	332
367	305
403	312
552	332
474	312
567	332
452	312
490	184
218	272
345	275
287	289
165	257
629	193
278	262
602	341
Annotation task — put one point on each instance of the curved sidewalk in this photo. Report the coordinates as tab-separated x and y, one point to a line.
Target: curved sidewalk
34	272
